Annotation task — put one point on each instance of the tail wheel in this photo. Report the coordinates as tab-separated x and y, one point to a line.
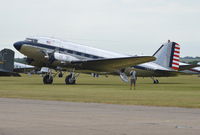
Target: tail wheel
156	81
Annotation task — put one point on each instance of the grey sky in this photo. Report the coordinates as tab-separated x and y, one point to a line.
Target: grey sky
126	26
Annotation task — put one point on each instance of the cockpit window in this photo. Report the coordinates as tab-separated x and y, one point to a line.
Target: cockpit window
32	40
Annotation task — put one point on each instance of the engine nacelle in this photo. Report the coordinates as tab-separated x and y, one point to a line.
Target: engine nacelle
64	57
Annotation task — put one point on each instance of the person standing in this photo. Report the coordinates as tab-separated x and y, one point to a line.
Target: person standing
133	79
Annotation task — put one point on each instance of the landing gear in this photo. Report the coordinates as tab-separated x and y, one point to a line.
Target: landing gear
95	75
48	79
71	79
60	75
155	81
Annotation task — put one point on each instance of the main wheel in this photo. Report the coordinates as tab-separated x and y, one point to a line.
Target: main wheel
60	75
157	82
47	79
70	80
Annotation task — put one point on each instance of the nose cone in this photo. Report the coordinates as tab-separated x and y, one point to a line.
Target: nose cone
18	45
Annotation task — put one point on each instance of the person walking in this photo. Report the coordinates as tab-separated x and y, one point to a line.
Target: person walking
133	79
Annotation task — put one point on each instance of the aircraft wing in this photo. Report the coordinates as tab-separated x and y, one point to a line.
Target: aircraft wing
22	68
112	64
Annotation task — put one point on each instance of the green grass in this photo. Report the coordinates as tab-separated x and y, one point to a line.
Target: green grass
182	91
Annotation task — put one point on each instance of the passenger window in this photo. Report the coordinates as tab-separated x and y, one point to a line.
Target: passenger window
87	55
78	53
95	57
69	51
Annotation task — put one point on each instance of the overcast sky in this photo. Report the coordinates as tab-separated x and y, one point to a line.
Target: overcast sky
125	26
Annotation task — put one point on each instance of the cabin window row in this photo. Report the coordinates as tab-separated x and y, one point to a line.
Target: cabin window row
81	54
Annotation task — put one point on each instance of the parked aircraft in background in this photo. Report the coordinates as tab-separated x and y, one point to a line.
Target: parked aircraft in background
10	68
75	58
23	68
7	63
190	69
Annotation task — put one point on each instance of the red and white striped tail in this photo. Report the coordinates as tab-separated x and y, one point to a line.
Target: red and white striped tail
176	57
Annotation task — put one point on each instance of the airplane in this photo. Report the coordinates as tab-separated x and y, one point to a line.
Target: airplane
75	58
67	56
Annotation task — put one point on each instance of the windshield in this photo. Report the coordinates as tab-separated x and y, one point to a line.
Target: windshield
31	40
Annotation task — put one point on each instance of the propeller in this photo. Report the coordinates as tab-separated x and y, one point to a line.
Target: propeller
124	77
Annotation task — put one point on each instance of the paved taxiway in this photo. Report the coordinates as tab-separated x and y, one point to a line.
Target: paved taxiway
35	117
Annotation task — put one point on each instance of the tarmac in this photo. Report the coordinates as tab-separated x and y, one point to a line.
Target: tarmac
36	117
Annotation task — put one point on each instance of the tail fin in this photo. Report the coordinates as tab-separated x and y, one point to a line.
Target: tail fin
7	60
168	55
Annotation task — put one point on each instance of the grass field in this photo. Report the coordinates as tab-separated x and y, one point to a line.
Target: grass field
182	91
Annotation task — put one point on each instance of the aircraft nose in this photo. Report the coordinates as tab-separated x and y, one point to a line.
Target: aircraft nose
18	45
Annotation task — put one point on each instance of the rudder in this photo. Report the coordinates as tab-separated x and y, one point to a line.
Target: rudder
175	56
168	55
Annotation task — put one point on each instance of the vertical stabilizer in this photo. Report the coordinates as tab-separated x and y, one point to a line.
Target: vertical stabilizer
7	60
168	55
